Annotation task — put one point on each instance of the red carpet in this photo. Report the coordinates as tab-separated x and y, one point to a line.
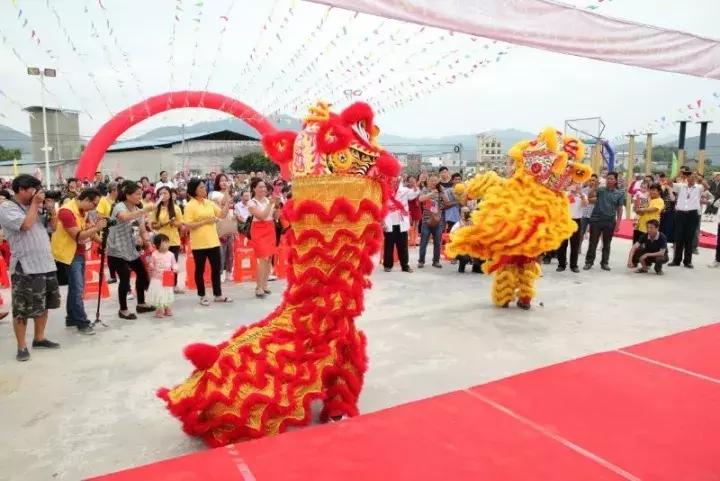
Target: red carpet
609	416
707	239
692	350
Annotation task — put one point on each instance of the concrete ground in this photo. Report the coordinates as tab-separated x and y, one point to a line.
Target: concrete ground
90	407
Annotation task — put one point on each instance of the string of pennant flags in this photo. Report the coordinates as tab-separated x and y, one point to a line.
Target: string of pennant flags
218	52
254	51
197	19
324	64
173	37
695	111
263	58
111	33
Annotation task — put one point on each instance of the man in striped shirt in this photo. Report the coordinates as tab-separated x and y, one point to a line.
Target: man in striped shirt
32	267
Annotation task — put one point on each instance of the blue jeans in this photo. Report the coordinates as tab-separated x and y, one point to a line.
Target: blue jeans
425	233
76	288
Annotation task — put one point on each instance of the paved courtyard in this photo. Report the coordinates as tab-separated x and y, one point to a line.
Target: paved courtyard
90	408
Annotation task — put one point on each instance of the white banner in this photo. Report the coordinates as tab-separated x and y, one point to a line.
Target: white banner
559	28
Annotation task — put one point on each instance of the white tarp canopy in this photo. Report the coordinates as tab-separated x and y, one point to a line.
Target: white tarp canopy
558	28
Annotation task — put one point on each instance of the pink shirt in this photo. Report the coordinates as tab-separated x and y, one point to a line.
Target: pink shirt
159	263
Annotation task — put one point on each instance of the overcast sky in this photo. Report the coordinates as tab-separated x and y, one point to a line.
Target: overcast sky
526	89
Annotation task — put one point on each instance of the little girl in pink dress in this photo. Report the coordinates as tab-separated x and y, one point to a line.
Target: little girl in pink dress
163	267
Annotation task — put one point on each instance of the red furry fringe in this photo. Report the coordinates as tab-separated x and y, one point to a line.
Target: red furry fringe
322	326
279	147
333	136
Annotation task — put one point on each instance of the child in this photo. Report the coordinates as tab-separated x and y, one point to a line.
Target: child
162	266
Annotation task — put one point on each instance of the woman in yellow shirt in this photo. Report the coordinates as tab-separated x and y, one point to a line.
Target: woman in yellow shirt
167	218
200	217
652	211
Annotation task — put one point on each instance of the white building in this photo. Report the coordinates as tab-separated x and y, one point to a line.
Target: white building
489	151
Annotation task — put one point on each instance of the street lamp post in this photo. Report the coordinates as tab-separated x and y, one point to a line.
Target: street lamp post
45	72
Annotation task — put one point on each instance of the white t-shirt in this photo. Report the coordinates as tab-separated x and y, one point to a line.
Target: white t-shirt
169	184
576	207
241	211
260	205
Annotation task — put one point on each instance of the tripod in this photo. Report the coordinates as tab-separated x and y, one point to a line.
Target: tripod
103	248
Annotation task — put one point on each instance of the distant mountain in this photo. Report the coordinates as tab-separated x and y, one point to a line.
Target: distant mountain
712	146
12	139
394	143
435	145
233	123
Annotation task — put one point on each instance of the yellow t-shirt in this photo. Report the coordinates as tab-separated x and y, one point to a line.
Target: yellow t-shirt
644	218
173	233
104	207
206	236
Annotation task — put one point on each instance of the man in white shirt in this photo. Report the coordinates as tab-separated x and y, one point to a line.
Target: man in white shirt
397	223
241	207
577	201
164	182
687	218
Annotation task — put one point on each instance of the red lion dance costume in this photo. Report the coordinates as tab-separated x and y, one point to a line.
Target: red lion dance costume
264	378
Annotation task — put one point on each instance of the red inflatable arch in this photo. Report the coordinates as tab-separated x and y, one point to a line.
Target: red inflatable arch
122	121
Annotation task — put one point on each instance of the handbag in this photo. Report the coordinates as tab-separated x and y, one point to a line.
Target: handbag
227	226
244	228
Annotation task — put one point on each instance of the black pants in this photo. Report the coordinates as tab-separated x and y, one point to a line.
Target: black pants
606	229
717	246
176	252
464	260
656	262
396	240
686	224
213	255
574	242
123	268
636	235
113	272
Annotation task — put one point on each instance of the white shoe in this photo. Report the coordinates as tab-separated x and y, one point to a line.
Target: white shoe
130	296
222	277
714	264
272	277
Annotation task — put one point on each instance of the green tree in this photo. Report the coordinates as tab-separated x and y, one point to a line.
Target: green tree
253	162
9	154
663	154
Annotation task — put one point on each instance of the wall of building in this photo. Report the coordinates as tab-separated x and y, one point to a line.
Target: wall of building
63	135
200	157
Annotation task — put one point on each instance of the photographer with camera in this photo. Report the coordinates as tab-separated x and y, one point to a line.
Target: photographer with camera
122	251
34	283
68	245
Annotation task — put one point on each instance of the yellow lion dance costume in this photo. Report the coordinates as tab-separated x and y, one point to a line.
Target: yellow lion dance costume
523	216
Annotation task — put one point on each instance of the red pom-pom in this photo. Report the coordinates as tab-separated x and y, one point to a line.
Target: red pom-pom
201	355
388	165
333	136
279	146
357	112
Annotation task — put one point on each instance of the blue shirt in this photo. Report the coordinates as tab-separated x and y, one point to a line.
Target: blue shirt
607	204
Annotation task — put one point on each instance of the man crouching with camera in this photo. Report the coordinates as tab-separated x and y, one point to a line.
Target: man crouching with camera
68	248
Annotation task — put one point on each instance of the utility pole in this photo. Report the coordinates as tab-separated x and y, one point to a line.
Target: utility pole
630	172
648	152
45	72
703	140
681	143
